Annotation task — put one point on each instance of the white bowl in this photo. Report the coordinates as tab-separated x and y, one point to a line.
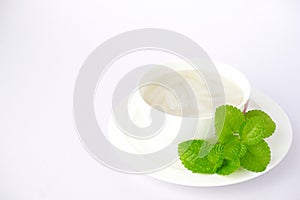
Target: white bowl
139	112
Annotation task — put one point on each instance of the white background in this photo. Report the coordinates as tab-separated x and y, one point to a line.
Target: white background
43	45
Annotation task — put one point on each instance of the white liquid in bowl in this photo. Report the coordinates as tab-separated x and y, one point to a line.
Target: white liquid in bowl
156	94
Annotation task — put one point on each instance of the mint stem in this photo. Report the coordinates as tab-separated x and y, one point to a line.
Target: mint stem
246	107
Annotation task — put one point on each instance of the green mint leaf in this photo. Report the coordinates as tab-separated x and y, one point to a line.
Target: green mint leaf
228	120
189	156
229	166
257	157
243	150
252	131
205	148
232	147
216	154
269	124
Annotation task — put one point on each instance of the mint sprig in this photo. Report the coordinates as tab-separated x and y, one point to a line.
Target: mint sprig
240	143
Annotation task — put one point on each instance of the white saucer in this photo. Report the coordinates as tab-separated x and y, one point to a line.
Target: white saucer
279	143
